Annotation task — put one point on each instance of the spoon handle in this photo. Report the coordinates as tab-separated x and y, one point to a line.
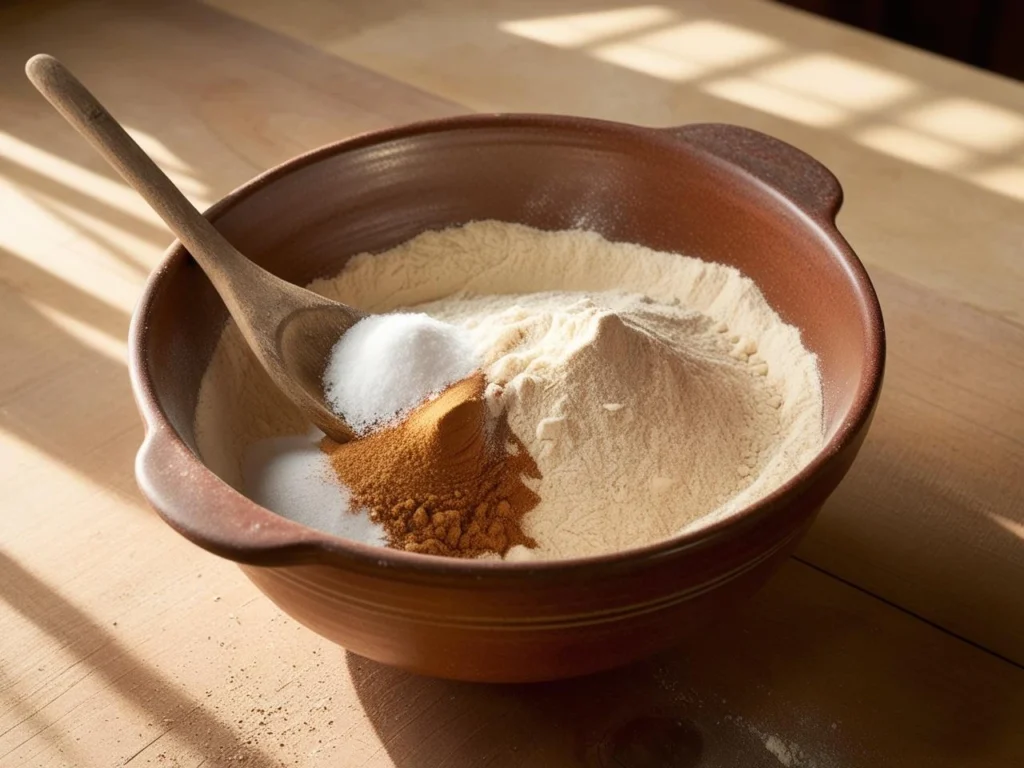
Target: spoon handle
218	258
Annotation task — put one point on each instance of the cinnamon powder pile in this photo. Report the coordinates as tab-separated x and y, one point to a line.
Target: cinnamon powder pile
447	480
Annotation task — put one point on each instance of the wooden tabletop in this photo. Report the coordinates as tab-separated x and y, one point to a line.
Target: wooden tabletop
895	637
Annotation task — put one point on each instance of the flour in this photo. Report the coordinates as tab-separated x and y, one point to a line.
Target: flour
643	417
656	392
788	755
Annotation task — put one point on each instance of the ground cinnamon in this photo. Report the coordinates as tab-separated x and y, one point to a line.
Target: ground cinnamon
448	480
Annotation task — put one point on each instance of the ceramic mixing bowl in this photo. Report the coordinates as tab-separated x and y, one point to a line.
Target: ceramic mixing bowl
718	192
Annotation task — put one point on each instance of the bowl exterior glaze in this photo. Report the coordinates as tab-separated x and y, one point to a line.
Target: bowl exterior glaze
719	192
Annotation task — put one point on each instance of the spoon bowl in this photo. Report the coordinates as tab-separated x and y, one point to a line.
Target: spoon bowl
289	329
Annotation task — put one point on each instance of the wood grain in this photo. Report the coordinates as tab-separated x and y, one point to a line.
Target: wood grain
931	156
811	664
123	644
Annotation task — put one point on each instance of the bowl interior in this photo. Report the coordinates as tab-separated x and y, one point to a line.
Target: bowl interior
305	220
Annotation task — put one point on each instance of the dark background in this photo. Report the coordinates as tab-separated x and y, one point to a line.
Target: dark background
985	33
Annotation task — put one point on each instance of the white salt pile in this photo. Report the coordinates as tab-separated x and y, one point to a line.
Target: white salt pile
386	365
290	476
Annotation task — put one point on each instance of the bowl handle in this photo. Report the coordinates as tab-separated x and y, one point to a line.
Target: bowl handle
789	171
209	512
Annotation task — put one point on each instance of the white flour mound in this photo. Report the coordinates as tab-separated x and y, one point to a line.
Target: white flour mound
656	392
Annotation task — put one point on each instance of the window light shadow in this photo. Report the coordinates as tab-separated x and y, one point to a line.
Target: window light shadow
877	108
80	188
580	29
65	346
23	717
839	80
120	668
911	146
1007	179
132	251
1017	529
967	122
113	348
683	51
775	101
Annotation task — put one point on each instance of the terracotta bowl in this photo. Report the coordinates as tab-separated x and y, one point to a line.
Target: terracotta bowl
719	192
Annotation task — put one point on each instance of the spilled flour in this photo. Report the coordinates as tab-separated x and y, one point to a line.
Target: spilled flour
655	392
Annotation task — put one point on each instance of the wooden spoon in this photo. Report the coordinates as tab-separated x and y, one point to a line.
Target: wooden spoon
291	330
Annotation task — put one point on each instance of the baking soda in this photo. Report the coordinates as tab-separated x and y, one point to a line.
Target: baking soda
291	476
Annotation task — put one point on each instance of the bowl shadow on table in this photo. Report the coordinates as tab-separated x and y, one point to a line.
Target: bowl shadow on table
598	720
811	668
119	668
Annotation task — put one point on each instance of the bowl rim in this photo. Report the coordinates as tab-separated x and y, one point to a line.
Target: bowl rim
299	544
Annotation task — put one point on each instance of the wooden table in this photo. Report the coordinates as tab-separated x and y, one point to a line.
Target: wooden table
895	637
